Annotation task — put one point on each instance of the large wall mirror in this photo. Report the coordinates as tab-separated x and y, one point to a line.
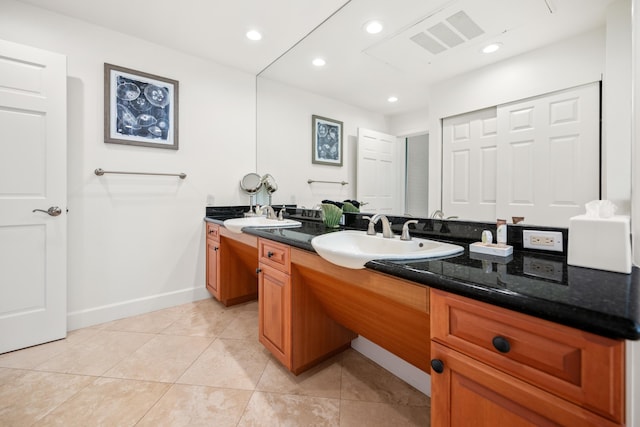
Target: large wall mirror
428	55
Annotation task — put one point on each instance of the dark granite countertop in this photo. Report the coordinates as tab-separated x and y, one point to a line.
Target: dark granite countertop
535	283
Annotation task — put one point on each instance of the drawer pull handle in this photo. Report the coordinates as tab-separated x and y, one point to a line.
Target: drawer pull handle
269	254
258	270
501	344
437	365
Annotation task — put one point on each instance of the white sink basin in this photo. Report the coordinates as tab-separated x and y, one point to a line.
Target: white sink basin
237	224
353	249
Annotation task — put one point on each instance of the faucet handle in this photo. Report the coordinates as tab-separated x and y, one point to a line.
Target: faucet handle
405	229
371	231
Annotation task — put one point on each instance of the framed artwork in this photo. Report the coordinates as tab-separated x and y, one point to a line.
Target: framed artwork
326	141
140	108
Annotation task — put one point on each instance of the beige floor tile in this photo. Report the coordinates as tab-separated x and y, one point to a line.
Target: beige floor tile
274	409
163	358
189	405
8	375
30	395
108	402
31	357
364	380
224	377
97	354
320	381
244	325
201	321
245	306
228	363
150	323
370	414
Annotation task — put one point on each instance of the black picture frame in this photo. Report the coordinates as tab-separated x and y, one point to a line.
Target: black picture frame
327	143
140	108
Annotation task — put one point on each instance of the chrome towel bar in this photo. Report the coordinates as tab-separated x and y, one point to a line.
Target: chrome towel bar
101	172
311	181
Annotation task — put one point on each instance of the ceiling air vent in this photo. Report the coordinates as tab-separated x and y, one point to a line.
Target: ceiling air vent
428	43
455	30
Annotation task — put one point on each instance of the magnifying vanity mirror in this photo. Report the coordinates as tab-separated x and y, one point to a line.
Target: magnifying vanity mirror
546	47
250	184
258	188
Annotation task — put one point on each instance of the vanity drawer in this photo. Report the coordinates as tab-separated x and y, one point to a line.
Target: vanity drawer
213	231
275	255
581	367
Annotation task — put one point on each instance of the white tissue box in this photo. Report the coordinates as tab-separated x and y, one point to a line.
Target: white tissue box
602	243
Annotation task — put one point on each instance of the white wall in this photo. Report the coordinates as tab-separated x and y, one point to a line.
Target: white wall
616	138
284	141
409	124
137	243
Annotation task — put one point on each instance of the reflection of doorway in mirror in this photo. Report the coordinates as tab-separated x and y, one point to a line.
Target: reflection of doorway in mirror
417	176
378	176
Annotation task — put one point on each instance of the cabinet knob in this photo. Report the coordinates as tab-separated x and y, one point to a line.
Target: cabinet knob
258	270
501	344
269	254
215	248
437	366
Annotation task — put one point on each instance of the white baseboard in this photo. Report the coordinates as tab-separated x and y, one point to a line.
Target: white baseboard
392	363
106	313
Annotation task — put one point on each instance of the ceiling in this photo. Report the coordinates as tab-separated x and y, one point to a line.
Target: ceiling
210	29
362	69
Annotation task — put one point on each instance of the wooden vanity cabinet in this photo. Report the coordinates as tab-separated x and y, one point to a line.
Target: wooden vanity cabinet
292	325
231	265
492	366
213	260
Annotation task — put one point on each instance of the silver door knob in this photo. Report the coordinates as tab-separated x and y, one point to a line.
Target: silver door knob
53	211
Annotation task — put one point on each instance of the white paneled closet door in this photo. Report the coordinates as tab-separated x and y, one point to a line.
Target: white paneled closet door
469	152
549	156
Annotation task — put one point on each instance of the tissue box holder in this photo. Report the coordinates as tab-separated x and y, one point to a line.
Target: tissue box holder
601	243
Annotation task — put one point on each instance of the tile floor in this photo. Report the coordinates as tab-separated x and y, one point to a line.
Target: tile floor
194	364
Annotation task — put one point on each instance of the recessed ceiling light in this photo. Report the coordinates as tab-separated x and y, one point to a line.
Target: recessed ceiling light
319	62
373	27
491	48
392	99
254	35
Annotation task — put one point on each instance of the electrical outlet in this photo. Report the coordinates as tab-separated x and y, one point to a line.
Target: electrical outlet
545	240
542	268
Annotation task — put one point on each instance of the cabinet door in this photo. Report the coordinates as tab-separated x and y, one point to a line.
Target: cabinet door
274	310
471	394
213	270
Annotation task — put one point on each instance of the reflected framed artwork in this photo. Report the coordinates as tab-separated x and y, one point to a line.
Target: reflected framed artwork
326	141
140	108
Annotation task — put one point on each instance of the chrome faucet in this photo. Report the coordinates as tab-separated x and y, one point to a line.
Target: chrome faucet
271	214
439	214
386	225
405	229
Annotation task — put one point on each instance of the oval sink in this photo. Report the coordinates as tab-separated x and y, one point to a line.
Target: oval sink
353	249
237	224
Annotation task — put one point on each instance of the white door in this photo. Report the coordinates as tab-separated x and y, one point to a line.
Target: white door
33	245
469	164
537	158
378	182
549	156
